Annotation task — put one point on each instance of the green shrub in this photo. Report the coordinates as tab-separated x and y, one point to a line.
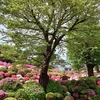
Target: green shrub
11	73
3	69
95	98
13	69
11	94
27	70
10	84
31	91
54	87
50	96
97	89
58	96
10	98
70	84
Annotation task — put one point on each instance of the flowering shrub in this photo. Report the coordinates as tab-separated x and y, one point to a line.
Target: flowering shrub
68	98
2	95
91	92
1	76
21	72
61	83
31	91
9	84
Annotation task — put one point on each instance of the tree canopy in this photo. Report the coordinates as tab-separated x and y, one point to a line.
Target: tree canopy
84	48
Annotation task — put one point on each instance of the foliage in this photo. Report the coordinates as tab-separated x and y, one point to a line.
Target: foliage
58	96
11	94
31	91
8	53
54	86
11	73
97	89
33	29
3	69
83	46
50	96
9	84
10	98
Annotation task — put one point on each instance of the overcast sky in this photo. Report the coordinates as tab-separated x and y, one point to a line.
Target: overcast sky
1	27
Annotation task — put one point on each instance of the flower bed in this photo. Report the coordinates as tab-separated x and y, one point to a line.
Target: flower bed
15	80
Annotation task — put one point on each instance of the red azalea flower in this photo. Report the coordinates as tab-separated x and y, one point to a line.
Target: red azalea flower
26	78
6	74
98	83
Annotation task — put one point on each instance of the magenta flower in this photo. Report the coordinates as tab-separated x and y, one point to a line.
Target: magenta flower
29	66
75	94
26	78
36	80
91	92
6	74
98	82
2	94
2	73
14	76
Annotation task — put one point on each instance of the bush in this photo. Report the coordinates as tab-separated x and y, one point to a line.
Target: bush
21	72
27	70
95	98
54	87
11	94
68	98
2	95
13	69
50	96
10	98
1	76
58	96
9	84
31	91
11	73
97	89
3	69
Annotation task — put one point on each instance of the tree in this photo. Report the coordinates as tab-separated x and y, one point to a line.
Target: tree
44	24
84	49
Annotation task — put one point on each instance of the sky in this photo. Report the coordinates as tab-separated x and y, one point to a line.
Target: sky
1	27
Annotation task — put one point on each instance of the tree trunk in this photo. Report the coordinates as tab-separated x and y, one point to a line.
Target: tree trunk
90	70
44	78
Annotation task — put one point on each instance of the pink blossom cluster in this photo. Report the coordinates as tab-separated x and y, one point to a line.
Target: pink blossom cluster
4	64
98	83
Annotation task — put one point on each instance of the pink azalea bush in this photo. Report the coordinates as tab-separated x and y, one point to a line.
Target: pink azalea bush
2	95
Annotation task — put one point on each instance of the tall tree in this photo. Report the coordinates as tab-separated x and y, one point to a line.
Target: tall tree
84	49
35	24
